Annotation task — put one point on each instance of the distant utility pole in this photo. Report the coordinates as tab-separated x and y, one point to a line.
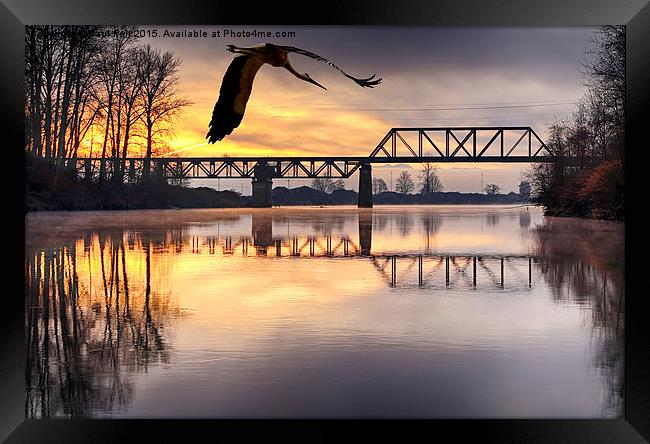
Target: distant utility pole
391	180
481	190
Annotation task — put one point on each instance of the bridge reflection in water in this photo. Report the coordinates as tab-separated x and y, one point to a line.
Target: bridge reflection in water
106	299
433	269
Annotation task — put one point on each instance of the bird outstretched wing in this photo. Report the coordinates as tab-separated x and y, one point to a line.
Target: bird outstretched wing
235	90
366	83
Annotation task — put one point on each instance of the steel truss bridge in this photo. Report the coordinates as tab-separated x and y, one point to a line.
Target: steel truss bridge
399	145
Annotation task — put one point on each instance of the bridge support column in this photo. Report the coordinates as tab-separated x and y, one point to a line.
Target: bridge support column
262	185
131	170
365	186
88	172
102	169
262	193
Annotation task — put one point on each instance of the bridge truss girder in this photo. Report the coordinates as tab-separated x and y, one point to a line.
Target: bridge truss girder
220	168
445	143
232	168
433	145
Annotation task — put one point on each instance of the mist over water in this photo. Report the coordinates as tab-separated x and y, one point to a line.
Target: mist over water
398	311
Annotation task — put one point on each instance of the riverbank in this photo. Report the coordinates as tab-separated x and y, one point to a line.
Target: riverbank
593	193
130	197
51	189
91	196
309	196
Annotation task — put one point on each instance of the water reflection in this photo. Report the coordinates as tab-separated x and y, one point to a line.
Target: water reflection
105	294
583	262
365	231
86	334
492	219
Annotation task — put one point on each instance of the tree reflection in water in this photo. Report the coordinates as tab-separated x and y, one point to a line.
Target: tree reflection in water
404	223
97	312
86	334
431	224
492	219
584	263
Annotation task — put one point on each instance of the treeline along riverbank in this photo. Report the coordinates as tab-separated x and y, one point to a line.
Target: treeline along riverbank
48	188
309	196
594	135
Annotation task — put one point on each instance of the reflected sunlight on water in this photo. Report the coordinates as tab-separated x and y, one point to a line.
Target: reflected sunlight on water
431	311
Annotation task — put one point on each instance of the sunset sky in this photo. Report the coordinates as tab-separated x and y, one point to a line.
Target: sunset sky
431	77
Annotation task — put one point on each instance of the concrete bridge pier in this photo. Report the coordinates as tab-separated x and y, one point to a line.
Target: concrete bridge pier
88	171
365	186
262	193
262	185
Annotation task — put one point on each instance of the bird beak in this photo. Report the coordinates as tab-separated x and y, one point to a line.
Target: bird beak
310	80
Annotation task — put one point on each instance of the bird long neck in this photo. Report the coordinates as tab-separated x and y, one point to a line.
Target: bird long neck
301	76
290	68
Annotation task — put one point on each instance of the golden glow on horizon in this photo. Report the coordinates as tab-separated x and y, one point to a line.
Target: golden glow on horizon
425	83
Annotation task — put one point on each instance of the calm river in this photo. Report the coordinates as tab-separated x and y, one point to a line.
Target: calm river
399	311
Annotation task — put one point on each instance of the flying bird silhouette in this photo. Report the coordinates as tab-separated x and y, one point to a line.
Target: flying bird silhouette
237	83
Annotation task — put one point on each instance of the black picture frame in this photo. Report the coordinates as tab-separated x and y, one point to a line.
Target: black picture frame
635	14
